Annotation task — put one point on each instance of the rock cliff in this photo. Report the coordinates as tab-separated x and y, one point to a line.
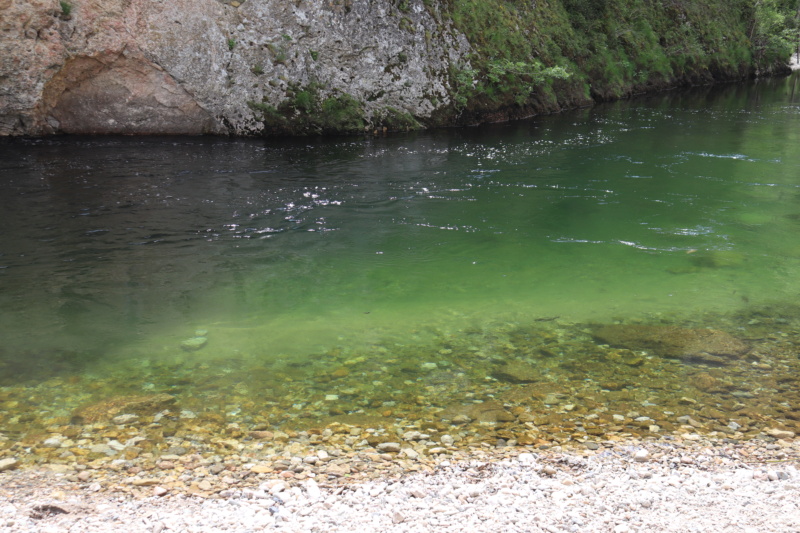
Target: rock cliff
329	66
201	66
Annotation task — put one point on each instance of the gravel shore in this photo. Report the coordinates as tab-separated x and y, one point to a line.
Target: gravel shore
665	485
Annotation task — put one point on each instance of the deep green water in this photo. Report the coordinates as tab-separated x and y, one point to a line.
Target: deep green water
668	206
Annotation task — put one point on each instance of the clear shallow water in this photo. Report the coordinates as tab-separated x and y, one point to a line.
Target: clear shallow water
114	250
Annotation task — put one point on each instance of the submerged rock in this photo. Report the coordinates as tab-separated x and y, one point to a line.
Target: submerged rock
107	409
518	371
10	463
780	433
194	344
698	345
485	413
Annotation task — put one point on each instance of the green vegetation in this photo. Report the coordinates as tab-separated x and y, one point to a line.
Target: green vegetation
463	85
545	55
66	8
258	70
279	53
395	120
273	121
774	30
552	53
341	114
305	111
231	44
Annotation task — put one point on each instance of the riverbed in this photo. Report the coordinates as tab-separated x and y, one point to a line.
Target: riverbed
625	271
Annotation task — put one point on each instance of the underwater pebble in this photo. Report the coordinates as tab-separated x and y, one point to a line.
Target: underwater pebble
102	448
780	433
9	463
411	453
412	435
125	419
194	344
53	442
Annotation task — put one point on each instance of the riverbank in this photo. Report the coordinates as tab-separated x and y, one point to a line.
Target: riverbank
672	484
264	67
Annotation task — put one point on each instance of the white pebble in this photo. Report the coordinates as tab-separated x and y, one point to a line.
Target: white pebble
640	456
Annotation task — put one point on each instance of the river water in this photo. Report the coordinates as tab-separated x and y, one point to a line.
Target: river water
344	276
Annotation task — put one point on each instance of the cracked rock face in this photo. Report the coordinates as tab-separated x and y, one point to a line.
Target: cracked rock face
120	94
194	66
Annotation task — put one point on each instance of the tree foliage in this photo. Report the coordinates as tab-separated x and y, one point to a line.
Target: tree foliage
550	50
774	30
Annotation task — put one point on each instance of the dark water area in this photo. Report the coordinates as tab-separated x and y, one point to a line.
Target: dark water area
403	274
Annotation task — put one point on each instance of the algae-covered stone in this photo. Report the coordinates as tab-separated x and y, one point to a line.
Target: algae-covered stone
109	408
518	371
626	357
701	345
485	413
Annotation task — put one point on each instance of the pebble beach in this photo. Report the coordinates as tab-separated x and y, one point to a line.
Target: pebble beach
669	485
672	427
